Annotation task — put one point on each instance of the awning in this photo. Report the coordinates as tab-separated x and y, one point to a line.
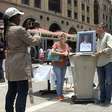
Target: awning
51	34
60	32
41	31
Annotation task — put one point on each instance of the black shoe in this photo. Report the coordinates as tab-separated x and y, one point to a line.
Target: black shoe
99	102
107	103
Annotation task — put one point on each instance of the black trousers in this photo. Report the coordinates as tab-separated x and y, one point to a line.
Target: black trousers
17	91
1	69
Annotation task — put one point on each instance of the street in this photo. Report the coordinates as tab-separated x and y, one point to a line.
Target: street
48	103
58	34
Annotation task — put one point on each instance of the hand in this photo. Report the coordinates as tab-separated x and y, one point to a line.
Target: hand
66	53
63	54
36	35
93	55
99	53
71	53
77	55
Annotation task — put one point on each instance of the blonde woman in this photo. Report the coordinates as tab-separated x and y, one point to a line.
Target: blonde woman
62	49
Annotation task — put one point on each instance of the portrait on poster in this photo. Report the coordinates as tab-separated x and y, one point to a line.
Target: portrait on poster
86	42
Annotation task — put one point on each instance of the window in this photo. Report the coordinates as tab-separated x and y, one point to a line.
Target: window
69	13
69	1
48	18
25	2
75	15
75	3
83	7
62	21
54	5
88	19
111	11
110	26
83	18
67	23
41	17
37	3
81	26
106	18
78	26
103	16
104	8
87	8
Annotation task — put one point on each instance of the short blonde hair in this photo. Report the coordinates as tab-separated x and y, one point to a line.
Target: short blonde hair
63	35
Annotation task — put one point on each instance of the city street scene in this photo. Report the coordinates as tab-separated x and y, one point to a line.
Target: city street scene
55	55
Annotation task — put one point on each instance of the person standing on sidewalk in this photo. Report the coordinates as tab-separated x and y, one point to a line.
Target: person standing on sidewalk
59	67
104	63
18	60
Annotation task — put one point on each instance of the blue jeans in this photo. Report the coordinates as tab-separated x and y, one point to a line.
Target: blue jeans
19	89
105	82
60	74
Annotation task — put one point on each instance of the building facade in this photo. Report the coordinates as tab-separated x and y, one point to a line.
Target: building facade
65	15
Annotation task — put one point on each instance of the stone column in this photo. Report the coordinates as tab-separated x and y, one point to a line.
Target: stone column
79	10
18	1
64	7
91	12
72	9
100	11
85	11
44	5
31	3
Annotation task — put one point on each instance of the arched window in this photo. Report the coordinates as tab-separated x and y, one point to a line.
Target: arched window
54	27
72	30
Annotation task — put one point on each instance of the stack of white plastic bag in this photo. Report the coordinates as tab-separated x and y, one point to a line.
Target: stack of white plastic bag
44	73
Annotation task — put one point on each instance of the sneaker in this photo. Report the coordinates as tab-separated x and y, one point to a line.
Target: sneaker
99	102
107	103
60	98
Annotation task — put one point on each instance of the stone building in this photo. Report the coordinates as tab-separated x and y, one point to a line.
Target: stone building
66	15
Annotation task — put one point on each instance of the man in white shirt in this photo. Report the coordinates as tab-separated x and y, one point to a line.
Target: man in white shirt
104	63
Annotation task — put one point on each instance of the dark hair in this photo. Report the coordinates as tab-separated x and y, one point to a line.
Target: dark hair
103	25
6	25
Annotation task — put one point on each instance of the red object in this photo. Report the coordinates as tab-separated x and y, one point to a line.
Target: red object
45	31
58	33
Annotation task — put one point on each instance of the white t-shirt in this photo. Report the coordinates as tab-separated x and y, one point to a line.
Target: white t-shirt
85	46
